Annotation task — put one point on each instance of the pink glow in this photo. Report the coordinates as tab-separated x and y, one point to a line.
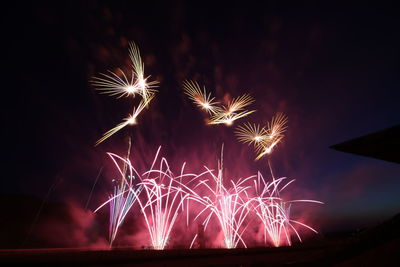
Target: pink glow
223	206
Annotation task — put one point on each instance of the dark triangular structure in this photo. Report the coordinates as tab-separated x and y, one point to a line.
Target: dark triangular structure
384	145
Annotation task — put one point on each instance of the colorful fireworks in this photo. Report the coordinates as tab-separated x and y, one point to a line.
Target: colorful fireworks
123	197
274	211
163	200
201	98
228	205
121	86
163	197
264	139
219	114
130	120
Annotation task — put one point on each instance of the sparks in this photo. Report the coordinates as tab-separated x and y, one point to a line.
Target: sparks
158	194
145	87
162	202
123	198
120	85
219	114
161	197
274	212
130	120
264	139
251	134
239	103
277	126
227	118
201	98
233	111
228	205
115	85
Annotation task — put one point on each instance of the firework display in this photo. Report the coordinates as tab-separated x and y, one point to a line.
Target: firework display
162	198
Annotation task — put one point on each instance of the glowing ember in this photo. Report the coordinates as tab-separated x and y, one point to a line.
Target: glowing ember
130	89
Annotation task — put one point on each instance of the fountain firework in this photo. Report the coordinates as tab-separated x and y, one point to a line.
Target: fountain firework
228	205
163	200
160	196
123	197
274	211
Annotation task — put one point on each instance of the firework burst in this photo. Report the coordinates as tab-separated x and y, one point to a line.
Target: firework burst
233	111
124	85
251	134
264	139
219	114
115	85
121	86
144	86
201	98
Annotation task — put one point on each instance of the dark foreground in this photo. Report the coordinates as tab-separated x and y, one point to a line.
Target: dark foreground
339	253
379	246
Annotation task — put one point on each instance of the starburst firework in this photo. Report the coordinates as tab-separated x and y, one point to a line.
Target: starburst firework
144	86
121	86
201	98
219	114
233	111
264	139
116	85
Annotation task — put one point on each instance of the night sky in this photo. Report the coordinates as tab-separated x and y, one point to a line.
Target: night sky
334	71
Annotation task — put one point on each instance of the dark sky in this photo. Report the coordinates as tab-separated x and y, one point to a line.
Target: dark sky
333	70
